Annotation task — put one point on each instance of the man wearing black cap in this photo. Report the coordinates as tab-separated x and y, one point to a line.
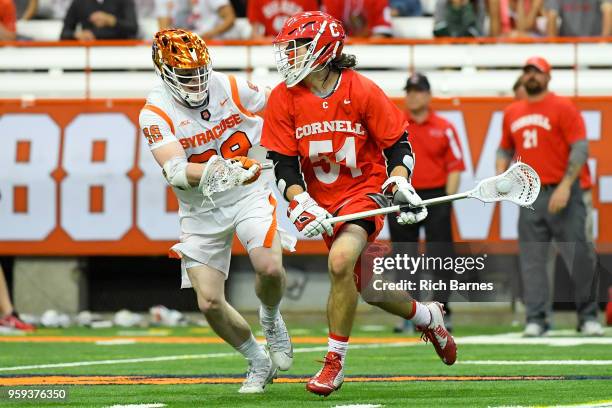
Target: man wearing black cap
547	132
436	146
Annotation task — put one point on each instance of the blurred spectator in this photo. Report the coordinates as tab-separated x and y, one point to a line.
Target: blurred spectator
208	18
54	9
456	18
361	18
436	144
8	20
108	19
26	9
547	125
268	16
145	8
579	18
514	18
406	8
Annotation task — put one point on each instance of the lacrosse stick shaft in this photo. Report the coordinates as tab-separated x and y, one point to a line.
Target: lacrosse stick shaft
396	208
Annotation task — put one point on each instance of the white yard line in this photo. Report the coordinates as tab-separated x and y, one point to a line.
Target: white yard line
186	357
512	339
536	362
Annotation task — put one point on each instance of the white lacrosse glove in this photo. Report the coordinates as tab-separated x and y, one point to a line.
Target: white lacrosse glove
405	194
252	166
308	217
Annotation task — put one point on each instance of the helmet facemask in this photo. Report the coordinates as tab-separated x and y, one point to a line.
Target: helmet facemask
187	85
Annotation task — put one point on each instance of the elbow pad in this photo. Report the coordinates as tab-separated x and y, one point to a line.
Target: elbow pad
287	172
175	172
400	154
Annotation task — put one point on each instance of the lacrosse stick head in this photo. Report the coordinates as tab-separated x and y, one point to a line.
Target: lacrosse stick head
519	184
221	175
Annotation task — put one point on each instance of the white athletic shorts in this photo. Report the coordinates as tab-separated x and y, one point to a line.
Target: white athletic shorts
207	237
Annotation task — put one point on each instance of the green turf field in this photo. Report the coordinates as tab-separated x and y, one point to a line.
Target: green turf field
182	368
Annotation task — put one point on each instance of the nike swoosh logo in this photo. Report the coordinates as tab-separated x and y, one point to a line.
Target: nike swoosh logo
347	101
224	101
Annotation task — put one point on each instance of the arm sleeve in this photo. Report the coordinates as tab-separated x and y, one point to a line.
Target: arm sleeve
252	97
454	154
278	132
572	123
155	129
70	22
384	121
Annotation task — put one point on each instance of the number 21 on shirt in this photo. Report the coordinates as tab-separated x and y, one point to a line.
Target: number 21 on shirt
530	138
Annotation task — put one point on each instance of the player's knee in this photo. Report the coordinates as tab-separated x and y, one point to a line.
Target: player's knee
210	304
341	263
270	270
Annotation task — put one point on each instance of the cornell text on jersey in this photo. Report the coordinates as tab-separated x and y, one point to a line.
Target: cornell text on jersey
345	126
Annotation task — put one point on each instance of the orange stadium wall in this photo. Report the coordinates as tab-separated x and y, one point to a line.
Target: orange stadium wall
80	181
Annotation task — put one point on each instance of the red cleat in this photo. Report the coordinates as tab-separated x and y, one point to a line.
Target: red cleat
329	378
437	334
14	322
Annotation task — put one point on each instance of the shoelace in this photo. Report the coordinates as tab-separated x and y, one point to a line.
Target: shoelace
330	368
277	337
255	373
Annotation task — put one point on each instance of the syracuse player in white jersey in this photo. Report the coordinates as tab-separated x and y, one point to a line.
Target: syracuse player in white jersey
192	115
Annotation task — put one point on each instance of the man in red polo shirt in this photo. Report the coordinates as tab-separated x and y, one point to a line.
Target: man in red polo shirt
547	132
438	151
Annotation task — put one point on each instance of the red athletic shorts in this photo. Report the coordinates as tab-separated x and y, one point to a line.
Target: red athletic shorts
351	206
357	204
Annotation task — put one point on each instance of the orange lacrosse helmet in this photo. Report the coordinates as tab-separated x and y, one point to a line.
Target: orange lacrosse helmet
182	61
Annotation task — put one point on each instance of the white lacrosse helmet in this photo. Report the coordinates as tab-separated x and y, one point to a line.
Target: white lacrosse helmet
182	61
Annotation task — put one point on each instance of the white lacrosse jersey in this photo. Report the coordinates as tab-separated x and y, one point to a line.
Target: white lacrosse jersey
226	126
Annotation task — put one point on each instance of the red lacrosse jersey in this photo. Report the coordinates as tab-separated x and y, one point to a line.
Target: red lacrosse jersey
541	134
272	14
339	139
361	18
436	149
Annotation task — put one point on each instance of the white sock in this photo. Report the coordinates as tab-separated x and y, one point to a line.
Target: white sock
252	350
338	344
269	313
422	315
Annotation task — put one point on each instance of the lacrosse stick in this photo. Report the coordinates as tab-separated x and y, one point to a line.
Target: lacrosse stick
520	184
221	175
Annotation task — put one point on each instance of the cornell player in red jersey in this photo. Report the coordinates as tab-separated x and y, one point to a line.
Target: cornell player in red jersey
337	140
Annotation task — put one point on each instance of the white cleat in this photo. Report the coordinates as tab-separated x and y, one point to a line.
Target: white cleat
591	328
261	373
279	342
535	330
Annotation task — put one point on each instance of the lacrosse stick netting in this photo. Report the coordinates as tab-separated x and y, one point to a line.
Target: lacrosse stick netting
523	187
221	175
